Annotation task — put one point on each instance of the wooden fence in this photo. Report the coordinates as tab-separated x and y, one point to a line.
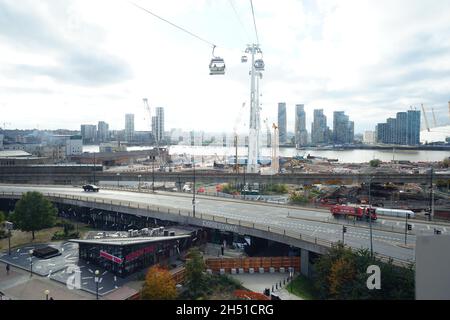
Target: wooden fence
215	264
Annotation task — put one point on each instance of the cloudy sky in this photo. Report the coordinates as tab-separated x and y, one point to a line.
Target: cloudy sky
67	62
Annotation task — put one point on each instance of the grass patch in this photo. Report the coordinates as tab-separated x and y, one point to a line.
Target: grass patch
303	288
20	238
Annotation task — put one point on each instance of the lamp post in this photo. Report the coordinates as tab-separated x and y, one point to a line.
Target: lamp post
9	227
153	175
431	196
31	262
118	176
370	217
94	167
46	292
96	279
139	184
193	190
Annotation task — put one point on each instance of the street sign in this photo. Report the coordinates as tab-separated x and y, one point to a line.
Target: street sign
9	225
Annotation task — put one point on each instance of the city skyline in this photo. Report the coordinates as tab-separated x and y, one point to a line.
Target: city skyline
332	66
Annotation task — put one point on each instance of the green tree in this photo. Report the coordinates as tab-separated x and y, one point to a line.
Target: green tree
33	212
2	217
341	274
375	163
158	285
298	198
446	162
196	279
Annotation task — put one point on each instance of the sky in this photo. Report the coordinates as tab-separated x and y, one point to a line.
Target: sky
69	62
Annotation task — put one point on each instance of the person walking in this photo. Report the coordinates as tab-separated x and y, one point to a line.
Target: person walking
7	269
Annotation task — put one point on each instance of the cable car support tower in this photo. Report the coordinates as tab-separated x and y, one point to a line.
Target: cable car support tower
254	128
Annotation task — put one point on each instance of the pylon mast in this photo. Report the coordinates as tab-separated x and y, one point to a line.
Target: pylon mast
253	137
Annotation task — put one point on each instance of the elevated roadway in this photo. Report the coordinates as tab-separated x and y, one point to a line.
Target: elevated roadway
304	228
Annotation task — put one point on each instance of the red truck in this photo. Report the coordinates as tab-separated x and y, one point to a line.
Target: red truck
360	212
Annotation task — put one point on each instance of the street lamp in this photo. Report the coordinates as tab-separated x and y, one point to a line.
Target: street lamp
46	292
96	279
370	217
193	190
94	167
9	227
153	175
31	262
118	176
139	184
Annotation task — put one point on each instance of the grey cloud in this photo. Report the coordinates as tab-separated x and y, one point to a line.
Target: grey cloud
79	64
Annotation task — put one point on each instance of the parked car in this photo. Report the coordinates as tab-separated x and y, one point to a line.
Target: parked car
91	187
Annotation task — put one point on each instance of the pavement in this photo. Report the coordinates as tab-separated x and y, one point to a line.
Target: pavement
18	285
65	269
257	282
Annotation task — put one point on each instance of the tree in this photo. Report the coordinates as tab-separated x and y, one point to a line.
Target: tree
2	217
158	285
375	163
33	212
341	274
196	280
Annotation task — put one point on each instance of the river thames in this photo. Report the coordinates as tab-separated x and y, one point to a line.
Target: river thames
344	156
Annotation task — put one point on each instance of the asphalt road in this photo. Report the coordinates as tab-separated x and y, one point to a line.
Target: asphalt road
309	222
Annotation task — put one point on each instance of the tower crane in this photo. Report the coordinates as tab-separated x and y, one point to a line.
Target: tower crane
149	112
275	162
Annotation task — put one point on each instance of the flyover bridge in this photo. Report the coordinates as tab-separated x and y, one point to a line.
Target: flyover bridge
257	220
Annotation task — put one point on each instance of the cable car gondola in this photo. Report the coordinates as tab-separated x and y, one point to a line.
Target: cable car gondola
259	65
217	65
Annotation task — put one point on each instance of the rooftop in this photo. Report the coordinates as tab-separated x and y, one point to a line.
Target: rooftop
128	241
14	154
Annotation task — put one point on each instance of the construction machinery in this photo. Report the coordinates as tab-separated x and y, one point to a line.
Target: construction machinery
161	163
275	165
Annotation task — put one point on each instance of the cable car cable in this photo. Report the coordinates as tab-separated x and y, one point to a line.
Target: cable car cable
254	22
173	24
239	19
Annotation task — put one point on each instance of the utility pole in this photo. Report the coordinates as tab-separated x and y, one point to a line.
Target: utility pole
193	190
431	213
153	175
94	168
370	217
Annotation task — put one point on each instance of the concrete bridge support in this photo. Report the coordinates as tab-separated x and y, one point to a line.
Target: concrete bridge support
304	262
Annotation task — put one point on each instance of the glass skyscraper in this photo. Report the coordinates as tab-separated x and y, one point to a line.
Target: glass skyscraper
404	129
282	123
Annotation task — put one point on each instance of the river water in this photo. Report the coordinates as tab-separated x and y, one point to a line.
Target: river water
344	156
